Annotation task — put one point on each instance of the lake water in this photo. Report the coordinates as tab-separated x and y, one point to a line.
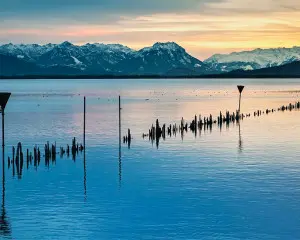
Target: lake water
240	182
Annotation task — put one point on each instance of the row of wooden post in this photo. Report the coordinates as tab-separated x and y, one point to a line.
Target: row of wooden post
50	152
156	132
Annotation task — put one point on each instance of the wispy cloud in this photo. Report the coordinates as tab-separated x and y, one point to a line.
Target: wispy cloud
203	27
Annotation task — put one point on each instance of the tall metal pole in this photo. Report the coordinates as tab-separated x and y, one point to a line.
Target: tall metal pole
84	110
3	161
84	156
240	88
3	128
3	175
240	103
120	120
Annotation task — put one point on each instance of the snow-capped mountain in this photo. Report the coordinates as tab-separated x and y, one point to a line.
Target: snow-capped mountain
64	54
29	52
161	58
256	59
104	56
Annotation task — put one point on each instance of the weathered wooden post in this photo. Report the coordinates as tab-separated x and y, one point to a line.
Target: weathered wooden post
27	158
74	148
240	88
129	138
19	160
13	154
195	125
68	150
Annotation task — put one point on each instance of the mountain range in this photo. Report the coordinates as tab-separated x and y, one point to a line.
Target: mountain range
168	59
252	60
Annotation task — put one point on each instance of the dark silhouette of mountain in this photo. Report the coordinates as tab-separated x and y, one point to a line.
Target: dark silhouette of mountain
13	66
10	65
181	72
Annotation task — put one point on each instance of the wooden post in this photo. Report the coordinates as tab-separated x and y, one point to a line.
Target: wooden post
13	152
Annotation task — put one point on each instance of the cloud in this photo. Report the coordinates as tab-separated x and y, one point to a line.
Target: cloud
203	27
94	10
254	6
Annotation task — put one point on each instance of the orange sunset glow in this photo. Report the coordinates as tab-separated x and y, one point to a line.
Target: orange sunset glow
202	27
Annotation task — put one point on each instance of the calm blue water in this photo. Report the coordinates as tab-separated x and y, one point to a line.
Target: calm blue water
241	182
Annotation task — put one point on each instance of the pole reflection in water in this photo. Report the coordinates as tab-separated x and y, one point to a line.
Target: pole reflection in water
84	148
240	139
5	228
120	166
120	153
84	173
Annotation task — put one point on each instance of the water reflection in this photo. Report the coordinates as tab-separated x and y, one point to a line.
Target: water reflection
210	170
120	165
120	150
5	228
127	139
84	173
157	132
240	139
50	152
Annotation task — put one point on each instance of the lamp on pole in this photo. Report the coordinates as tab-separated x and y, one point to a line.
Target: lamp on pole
240	88
4	96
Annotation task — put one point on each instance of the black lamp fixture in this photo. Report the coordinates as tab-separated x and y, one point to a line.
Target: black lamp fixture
4	96
240	88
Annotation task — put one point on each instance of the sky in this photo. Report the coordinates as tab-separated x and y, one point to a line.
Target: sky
202	27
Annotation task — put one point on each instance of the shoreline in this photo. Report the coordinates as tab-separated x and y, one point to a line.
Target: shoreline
226	76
